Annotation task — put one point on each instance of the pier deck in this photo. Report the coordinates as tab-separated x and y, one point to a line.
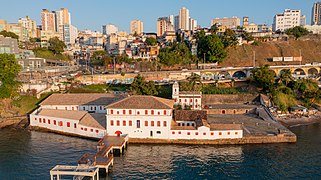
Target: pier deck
90	163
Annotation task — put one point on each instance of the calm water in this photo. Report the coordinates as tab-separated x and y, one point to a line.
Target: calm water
30	155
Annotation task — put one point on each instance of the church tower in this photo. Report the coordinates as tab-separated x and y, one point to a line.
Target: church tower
175	90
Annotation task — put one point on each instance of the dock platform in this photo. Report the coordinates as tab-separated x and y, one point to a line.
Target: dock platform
89	164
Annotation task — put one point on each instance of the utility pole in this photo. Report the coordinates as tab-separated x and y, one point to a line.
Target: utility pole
253	59
204	61
301	57
114	66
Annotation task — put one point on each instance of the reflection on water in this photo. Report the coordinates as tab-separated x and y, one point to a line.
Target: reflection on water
30	155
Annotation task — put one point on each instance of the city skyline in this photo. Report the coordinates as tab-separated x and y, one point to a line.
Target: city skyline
98	15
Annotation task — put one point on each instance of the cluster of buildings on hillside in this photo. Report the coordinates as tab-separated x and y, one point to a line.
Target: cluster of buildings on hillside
115	42
97	115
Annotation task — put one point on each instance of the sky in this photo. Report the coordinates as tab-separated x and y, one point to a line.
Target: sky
92	14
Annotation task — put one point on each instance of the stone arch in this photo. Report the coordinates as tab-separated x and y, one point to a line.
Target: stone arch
239	75
313	73
224	75
282	70
299	73
275	75
118	133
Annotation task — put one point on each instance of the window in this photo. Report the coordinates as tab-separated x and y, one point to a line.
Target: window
165	124
220	133
236	133
91	108
146	112
187	124
146	123
191	100
68	124
83	108
204	134
101	108
118	123
179	132
152	123
189	133
130	123
158	123
228	133
35	119
195	100
48	121
65	108
117	112
44	120
173	132
164	112
152	112
212	134
158	113
196	133
85	129
138	124
91	130
180	100
179	124
82	128
223	111
97	131
158	132
75	125
111	122
124	111
130	111
138	112
124	123
55	122
73	108
111	111
95	108
60	123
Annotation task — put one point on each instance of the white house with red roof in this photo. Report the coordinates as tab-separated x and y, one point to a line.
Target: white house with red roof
187	99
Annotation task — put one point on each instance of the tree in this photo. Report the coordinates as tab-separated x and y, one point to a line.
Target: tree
263	77
9	69
140	87
178	54
151	41
193	80
297	31
229	39
9	34
214	28
285	77
247	36
211	46
56	46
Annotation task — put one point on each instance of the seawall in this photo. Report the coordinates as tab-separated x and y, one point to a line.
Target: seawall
20	121
281	138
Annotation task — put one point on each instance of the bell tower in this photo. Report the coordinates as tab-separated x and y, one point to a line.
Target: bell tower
175	90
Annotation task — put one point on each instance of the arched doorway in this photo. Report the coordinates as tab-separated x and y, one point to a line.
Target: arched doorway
118	133
239	75
223	112
224	75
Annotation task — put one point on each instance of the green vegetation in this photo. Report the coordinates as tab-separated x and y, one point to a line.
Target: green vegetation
212	89
9	34
286	91
141	87
210	46
25	104
9	69
177	54
297	31
53	52
151	41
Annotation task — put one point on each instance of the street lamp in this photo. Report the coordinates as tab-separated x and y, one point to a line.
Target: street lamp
204	61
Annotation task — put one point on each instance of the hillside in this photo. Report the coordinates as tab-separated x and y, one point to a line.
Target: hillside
310	47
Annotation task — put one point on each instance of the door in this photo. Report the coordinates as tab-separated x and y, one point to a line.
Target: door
151	133
138	124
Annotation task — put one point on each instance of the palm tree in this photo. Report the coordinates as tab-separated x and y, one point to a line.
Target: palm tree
285	76
193	80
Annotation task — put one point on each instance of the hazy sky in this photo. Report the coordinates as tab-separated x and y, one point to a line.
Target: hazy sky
92	14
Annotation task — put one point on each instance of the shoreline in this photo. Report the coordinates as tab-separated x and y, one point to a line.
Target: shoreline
300	121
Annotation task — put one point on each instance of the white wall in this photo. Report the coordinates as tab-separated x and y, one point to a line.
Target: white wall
158	132
94	108
74	128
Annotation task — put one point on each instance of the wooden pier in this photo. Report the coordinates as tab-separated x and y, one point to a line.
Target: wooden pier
89	164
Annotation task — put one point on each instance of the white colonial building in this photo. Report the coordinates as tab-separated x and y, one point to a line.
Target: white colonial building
187	99
153	117
75	114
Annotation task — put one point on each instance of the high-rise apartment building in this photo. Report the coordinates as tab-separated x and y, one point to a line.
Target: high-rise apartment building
184	19
110	29
163	25
316	14
288	19
136	26
176	23
70	34
48	20
231	23
192	24
30	25
62	17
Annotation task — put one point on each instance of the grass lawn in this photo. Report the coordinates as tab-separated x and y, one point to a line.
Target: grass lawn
25	104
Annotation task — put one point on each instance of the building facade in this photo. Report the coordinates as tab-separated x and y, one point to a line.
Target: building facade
288	19
163	25
110	29
187	100
8	45
70	34
231	23
184	19
316	14
30	25
136	26
48	20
